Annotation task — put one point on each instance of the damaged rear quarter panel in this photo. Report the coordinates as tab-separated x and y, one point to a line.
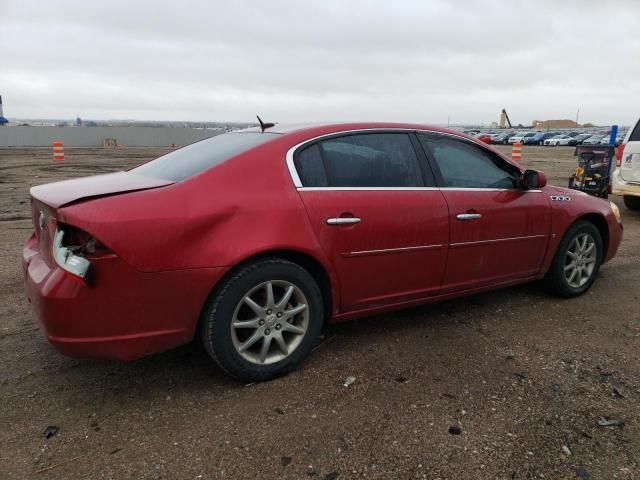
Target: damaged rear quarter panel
242	207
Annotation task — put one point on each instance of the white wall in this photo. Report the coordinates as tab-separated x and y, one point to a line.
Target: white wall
14	136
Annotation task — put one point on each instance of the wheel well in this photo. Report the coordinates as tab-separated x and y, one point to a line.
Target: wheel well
314	267
601	224
309	263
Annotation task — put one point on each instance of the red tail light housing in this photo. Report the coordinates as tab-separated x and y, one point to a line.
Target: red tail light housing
619	154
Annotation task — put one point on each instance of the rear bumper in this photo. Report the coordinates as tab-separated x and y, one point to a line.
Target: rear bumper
622	187
125	315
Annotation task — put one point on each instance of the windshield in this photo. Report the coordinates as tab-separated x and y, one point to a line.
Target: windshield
200	156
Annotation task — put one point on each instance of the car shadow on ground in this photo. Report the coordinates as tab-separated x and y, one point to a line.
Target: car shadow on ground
190	368
459	311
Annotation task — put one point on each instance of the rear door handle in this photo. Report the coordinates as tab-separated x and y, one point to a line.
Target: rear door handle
468	216
343	221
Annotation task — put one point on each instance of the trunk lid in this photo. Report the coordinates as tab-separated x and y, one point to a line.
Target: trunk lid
59	194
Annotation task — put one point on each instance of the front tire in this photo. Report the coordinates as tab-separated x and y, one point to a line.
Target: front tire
632	202
577	261
263	320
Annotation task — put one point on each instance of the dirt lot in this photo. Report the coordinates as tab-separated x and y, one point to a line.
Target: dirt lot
526	377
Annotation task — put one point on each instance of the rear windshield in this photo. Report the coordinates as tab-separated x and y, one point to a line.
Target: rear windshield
200	156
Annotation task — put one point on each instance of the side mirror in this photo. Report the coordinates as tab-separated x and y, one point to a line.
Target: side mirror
533	179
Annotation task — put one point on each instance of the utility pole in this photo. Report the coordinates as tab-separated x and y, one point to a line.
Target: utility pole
577	117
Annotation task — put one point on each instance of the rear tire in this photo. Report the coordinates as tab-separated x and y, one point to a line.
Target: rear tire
632	202
577	261
263	320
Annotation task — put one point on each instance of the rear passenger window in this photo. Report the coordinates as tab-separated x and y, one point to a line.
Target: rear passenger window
365	160
310	167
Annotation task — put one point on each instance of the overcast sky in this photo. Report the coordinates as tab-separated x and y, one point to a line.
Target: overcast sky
421	60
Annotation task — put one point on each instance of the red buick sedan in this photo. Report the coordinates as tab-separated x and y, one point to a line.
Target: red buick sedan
253	241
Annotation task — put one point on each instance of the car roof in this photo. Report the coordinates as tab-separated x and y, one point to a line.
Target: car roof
301	132
328	128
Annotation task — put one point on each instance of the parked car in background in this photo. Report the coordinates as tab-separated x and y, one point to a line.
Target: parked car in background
516	137
557	140
539	138
521	137
605	140
626	176
502	138
593	140
578	139
547	135
486	138
533	139
252	241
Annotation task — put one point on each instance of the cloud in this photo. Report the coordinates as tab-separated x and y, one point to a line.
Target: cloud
297	61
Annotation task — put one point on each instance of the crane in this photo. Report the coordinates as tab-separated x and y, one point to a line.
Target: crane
504	119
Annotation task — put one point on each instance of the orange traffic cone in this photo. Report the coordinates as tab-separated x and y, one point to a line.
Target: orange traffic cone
58	151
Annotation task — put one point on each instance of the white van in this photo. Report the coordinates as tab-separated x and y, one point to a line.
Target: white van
626	176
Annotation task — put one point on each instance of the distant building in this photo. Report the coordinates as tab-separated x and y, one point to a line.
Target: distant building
555	124
3	120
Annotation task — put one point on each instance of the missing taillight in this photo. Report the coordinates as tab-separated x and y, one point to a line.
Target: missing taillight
73	250
70	257
82	243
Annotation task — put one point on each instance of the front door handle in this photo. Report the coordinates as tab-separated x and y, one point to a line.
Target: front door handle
343	221
468	216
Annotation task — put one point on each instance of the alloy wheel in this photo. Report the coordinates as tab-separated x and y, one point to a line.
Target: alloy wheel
270	322
580	260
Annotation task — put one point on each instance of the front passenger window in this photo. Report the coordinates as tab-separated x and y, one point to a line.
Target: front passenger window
464	165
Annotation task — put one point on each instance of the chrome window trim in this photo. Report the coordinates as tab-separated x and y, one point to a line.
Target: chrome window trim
365	189
298	183
291	152
471	189
399	189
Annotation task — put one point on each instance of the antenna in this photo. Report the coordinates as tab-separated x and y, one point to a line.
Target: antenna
264	126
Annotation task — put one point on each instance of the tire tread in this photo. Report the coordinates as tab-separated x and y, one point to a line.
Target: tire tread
632	202
214	304
554	280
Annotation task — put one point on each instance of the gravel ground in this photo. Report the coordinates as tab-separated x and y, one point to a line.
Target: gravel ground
524	376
